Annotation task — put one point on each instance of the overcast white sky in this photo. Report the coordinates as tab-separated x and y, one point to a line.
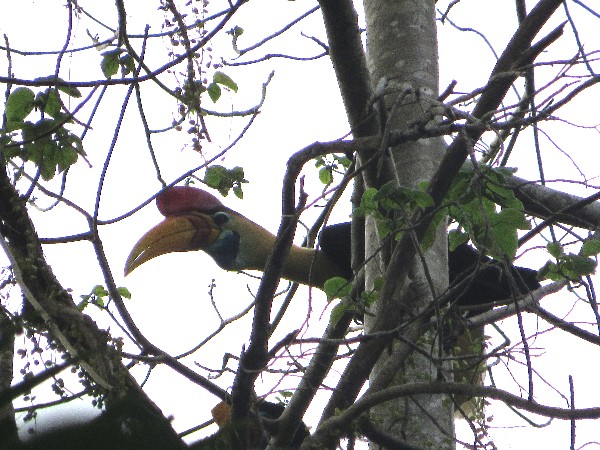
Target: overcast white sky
170	294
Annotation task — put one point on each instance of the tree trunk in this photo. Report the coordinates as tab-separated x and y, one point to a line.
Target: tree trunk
402	56
8	425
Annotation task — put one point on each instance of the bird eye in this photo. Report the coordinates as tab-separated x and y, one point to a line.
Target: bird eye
220	218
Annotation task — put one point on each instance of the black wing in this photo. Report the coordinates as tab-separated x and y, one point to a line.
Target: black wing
491	281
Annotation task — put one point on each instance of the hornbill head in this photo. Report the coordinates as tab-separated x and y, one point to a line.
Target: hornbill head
197	220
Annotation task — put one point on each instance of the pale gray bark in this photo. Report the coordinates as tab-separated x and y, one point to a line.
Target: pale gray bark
402	57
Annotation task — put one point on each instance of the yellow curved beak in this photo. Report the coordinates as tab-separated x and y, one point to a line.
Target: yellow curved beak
174	234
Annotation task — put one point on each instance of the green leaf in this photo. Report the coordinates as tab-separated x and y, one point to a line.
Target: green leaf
506	240
501	235
378	283
110	62
505	171
225	80
343	160
367	201
391	196
456	238
459	186
326	175
11	152
99	291
238	192
71	91
369	297
45	151
127	63
550	271
387	191
237	174
581	266
124	292
502	196
19	104
555	249
431	233
422	199
69	149
590	247
223	179
50	147
40	148
85	300
359	211
384	227
65	157
336	287
214	92
513	217
49	102
214	176
236	31
571	267
338	311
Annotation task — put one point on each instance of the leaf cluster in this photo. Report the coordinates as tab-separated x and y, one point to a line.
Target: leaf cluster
224	180
568	265
220	79
112	60
389	205
329	165
192	90
487	212
99	295
46	142
338	287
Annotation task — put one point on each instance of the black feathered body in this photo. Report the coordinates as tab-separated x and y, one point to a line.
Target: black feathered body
483	279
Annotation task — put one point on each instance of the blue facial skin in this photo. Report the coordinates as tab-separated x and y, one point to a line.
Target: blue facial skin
225	250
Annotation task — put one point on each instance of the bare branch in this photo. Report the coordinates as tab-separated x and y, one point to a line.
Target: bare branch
336	424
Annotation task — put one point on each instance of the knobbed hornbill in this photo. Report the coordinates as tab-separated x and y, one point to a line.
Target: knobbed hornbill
197	220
